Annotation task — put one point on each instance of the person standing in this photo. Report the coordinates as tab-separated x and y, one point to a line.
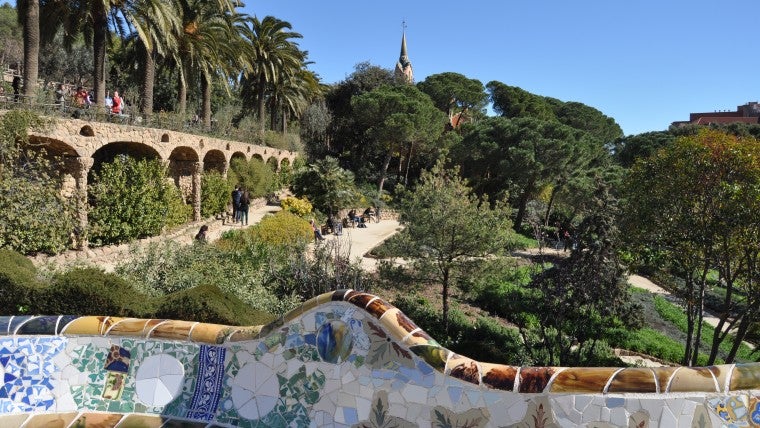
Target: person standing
236	204
116	103
317	234
16	88
60	96
245	202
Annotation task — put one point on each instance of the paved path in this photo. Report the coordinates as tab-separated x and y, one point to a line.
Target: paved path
360	241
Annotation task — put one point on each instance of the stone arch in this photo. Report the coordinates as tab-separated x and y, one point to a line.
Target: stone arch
285	162
182	166
165	138
86	131
257	157
59	156
273	163
110	151
214	160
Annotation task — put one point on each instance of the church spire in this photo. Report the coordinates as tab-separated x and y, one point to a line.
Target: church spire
404	66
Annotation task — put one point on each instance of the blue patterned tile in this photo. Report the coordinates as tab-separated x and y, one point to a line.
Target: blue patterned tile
17	322
208	383
40	325
64	321
5	322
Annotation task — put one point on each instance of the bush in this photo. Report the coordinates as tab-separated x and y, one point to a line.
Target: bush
177	211
283	229
215	194
131	199
207	303
297	206
90	291
255	176
18	284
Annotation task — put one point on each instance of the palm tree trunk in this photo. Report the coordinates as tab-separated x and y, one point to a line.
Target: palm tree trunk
148	80
260	89
206	89
182	90
100	31
31	48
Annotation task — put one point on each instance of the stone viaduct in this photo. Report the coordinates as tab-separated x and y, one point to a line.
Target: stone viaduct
84	145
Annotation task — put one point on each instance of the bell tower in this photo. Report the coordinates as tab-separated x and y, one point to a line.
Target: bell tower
403	71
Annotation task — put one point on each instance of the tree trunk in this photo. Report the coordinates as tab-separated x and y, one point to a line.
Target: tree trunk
182	90
408	161
384	171
700	318
260	90
445	298
522	204
741	333
549	206
206	89
284	121
31	49
148	80
100	31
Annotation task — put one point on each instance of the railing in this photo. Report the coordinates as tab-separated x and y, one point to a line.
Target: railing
97	113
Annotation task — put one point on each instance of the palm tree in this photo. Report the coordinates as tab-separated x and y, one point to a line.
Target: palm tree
207	44
29	18
272	56
292	95
152	21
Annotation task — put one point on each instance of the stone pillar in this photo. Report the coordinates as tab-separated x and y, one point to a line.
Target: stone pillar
80	168
197	171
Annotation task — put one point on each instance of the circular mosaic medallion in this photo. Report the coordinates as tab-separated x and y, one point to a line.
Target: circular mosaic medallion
334	341
159	379
255	390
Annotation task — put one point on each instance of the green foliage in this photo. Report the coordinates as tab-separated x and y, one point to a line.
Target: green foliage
18	283
215	194
254	175
177	211
283	229
239	270
34	217
453	92
485	339
447	226
328	186
130	199
90	291
298	206
210	304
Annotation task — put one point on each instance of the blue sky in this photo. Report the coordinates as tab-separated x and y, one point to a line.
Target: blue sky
646	63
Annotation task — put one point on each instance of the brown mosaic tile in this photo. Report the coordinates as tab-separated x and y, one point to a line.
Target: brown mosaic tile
464	368
419	337
90	326
499	376
378	307
142	421
340	295
582	379
210	333
692	379
745	376
130	327
721	373
360	299
634	379
174	330
535	379
13	420
663	375
243	334
98	420
404	322
391	324
51	420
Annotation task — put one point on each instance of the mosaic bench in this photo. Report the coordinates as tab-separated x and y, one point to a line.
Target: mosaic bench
341	359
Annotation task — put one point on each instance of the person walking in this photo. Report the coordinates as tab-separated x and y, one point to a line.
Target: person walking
317	233
245	202
116	103
236	204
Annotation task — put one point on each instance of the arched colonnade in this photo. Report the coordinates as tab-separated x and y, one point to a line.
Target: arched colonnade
84	146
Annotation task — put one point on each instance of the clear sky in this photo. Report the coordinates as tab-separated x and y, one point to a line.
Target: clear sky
645	63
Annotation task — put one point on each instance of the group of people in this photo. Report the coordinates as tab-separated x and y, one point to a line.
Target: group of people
84	99
241	201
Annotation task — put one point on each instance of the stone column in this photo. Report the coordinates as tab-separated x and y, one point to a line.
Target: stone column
80	168
197	171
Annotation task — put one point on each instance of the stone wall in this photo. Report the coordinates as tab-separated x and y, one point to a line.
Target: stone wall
345	359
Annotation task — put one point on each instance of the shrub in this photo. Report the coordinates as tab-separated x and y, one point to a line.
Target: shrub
215	194
255	176
207	303
18	284
297	206
130	199
177	211
90	291
283	229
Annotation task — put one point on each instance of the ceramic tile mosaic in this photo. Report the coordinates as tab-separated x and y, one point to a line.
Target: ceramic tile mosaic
344	359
